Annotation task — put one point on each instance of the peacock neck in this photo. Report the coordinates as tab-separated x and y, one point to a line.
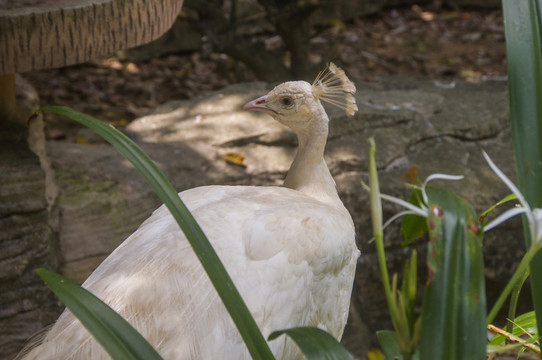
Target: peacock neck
309	173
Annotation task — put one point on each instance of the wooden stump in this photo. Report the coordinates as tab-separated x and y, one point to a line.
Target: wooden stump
54	33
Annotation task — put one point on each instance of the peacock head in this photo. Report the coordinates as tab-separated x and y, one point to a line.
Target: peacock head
294	103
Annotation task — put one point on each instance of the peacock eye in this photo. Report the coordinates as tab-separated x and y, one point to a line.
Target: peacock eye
287	101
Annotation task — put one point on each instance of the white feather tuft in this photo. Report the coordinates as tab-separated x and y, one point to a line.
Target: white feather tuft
333	86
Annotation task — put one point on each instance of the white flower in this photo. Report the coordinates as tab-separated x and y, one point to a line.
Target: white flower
534	218
412	209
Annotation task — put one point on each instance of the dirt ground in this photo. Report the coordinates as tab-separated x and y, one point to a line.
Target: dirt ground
464	44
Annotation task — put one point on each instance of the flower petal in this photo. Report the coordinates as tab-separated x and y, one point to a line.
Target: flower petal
415	210
515	190
537	214
510	213
392	219
437	176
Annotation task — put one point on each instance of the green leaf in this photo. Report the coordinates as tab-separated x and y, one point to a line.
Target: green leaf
408	289
454	304
495	349
411	276
376	205
390	346
413	226
507	198
223	284
378	232
116	335
523	31
315	343
526	323
523	323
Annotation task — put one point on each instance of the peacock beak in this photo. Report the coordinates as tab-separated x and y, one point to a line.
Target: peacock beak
259	104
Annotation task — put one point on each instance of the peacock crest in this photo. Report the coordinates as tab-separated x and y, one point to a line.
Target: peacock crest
332	86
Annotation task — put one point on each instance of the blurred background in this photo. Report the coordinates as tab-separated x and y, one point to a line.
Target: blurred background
214	43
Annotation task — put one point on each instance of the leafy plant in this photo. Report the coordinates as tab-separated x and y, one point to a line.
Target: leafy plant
523	30
400	304
454	306
453	327
522	325
454	302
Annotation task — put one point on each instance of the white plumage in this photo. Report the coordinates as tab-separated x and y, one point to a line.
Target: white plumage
290	251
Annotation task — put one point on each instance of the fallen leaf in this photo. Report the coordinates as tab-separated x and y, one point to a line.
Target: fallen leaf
235	158
80	140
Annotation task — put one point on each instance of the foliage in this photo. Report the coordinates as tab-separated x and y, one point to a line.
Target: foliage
315	343
116	335
454	303
453	312
454	326
390	345
523	30
522	325
401	305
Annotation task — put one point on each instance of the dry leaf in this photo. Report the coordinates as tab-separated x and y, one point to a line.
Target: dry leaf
80	140
235	158
411	176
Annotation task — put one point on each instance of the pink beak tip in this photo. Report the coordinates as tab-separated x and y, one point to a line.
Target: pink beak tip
256	104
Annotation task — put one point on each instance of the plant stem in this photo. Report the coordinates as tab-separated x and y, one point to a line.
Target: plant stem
376	215
385	279
514	300
516	278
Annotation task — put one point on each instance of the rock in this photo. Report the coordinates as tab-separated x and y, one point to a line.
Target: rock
435	127
26	243
26	240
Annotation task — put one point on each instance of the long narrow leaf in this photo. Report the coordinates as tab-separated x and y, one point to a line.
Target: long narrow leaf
315	343
223	284
116	335
523	30
378	232
454	304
